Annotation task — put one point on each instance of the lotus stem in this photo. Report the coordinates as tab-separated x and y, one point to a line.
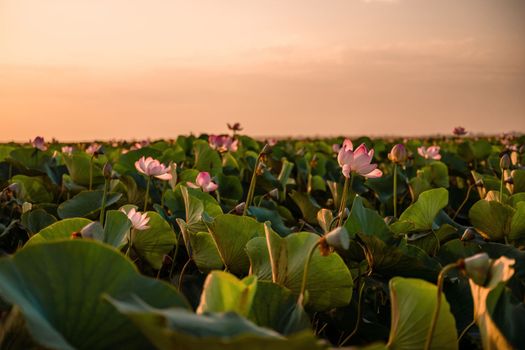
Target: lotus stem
464	201
91	173
395	190
473	322
300	299
343	199
182	273
251	190
104	199
435	317
174	257
501	186
130	241
361	289
146	196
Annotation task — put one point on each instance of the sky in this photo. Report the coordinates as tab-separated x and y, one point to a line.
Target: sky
104	69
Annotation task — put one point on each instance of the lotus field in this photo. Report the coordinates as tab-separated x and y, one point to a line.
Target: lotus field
231	242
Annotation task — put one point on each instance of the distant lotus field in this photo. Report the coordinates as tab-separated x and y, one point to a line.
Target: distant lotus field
230	242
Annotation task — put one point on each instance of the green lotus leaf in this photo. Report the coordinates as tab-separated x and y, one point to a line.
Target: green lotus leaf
423	212
36	220
328	283
33	189
86	203
491	218
116	228
29	158
413	304
366	221
231	233
204	252
206	159
156	241
307	205
265	214
223	292
60	230
78	164
58	287
518	179
229	186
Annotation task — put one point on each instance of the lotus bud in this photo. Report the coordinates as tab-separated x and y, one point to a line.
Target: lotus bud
398	154
468	234
26	207
107	170
504	162
477	268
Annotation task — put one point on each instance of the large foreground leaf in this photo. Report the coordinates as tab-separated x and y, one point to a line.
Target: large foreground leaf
58	288
175	328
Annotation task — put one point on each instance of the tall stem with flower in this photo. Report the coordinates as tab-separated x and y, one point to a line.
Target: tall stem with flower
359	162
152	168
398	155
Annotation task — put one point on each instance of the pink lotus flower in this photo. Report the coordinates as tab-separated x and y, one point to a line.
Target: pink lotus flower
152	167
138	220
429	153
223	143
358	161
94	149
203	181
39	143
139	145
67	150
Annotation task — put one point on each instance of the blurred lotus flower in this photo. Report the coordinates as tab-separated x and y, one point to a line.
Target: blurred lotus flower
138	220
39	143
94	149
431	152
358	161
398	154
235	127
336	147
67	150
459	131
139	145
223	143
152	167
204	181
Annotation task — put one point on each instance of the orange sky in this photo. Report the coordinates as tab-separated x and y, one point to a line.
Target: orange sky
81	70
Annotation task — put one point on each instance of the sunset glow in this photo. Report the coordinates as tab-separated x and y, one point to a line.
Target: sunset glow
293	67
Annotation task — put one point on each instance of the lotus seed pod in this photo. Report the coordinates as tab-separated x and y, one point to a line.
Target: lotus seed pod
398	154
477	268
338	238
504	162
